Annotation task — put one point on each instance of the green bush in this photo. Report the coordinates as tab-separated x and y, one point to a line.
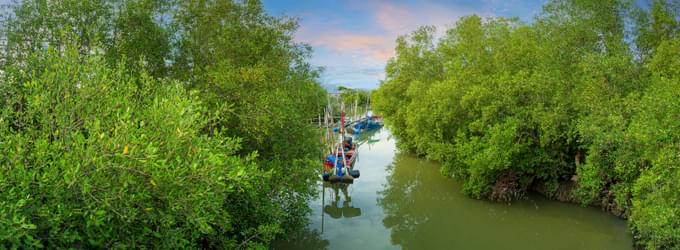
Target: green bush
164	124
92	157
655	215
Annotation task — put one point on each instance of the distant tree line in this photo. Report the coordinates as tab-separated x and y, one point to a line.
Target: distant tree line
354	96
154	124
582	104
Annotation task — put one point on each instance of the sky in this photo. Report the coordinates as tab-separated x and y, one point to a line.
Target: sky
354	39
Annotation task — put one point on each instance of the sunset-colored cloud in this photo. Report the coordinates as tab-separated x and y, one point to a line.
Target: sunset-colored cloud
393	18
400	19
348	41
376	47
390	20
354	39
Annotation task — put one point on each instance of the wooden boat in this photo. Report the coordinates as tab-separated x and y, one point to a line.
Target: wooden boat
341	171
367	123
339	163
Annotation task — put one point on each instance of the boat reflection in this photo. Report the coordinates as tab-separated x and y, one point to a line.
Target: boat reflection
340	205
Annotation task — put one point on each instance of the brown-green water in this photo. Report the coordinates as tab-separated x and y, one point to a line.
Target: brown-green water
402	201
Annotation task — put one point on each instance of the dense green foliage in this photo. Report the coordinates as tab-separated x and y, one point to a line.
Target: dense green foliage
354	96
143	123
582	105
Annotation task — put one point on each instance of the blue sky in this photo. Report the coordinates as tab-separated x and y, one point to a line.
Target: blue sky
353	39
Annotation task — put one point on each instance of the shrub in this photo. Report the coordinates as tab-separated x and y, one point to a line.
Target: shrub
93	157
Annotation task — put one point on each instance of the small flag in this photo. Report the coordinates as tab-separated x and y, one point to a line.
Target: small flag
342	119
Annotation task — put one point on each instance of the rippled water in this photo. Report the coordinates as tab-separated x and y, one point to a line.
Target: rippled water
401	201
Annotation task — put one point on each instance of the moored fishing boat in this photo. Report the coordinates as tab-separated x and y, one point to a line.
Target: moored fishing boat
368	123
339	163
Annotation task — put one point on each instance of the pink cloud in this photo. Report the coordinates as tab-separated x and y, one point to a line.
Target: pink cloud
383	54
399	19
341	40
393	18
376	47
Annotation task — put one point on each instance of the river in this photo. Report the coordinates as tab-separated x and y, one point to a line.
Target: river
401	201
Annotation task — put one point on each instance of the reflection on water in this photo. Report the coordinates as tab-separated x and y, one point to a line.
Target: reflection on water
334	209
425	211
402	201
304	239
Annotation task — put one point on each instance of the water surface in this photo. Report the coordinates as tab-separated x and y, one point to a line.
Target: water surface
403	202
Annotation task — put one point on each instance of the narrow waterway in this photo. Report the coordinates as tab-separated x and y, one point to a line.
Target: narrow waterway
401	201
